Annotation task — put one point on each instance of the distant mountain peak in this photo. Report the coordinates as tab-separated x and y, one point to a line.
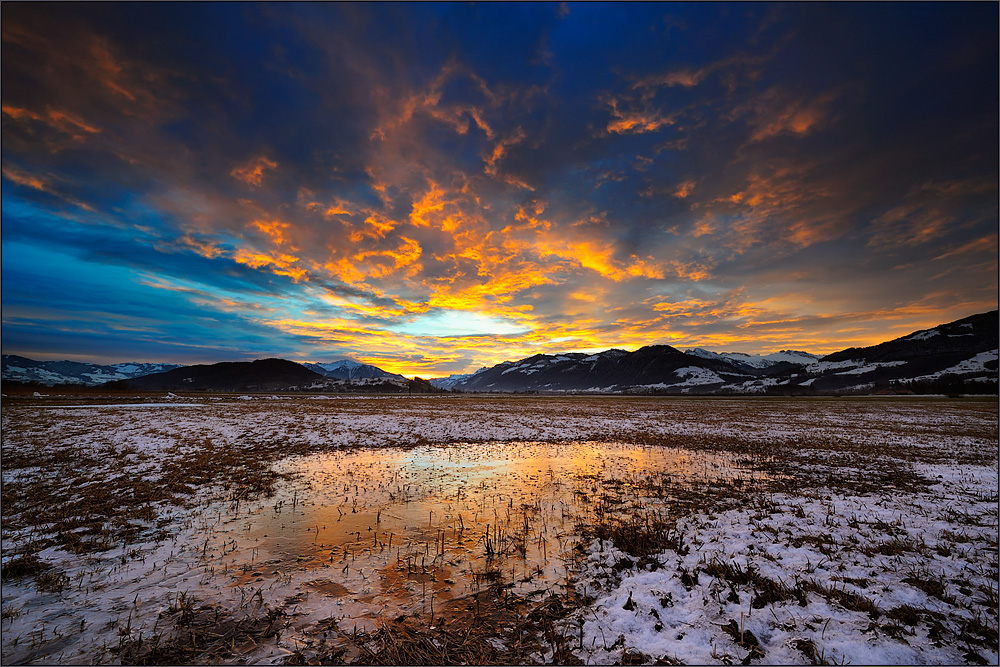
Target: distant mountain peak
339	363
348	369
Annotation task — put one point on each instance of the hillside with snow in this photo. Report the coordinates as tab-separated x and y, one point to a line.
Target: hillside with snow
958	357
22	369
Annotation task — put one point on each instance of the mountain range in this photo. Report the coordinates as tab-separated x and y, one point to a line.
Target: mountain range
22	369
958	357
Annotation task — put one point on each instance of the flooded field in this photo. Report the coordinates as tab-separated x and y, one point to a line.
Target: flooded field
499	529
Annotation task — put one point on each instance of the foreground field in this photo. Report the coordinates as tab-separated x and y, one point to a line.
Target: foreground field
459	529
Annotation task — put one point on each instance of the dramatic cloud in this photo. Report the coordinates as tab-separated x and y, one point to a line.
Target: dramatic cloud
433	188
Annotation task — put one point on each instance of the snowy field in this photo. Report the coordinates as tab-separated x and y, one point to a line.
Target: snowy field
451	529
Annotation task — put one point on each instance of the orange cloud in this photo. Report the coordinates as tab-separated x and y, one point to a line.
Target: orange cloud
499	151
345	270
693	271
63	121
686	77
342	331
684	189
925	214
26	179
110	71
430	203
281	264
493	295
597	256
427	102
777	113
335	210
704	226
985	244
635	121
780	205
201	247
275	229
369	308
376	226
42	184
252	173
132	81
408	252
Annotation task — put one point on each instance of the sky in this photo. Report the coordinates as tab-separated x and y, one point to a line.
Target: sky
433	188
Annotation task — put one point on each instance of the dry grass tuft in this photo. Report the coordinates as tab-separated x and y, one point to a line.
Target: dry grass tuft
24	564
485	628
201	634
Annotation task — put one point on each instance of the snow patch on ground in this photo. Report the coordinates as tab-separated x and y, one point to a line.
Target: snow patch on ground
833	540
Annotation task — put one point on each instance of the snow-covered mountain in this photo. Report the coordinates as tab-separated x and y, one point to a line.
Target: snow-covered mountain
23	369
959	357
948	356
348	369
649	369
452	380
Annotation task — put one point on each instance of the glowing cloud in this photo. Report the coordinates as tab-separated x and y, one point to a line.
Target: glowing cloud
252	173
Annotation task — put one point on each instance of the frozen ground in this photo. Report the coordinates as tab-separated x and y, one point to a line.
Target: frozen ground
822	575
672	530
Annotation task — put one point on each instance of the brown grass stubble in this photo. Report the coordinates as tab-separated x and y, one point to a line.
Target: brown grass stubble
90	501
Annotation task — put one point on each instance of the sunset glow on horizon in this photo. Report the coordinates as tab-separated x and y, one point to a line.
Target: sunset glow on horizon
436	188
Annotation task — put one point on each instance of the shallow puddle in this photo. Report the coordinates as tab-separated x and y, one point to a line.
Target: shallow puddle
354	536
382	532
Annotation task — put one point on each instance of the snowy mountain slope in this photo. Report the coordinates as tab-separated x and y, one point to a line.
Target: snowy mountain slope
451	380
23	369
959	352
743	360
648	369
977	366
962	352
347	369
954	341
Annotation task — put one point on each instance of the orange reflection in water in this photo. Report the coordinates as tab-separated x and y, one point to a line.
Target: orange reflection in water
378	532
